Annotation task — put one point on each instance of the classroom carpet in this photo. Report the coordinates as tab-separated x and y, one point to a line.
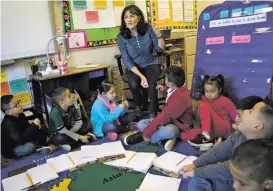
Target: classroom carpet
99	177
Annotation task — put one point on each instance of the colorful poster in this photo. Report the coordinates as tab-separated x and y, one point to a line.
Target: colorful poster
77	40
80	4
100	4
19	85
5	88
4	77
92	16
24	97
118	3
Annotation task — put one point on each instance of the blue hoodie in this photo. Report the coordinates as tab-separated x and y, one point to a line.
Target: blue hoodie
101	115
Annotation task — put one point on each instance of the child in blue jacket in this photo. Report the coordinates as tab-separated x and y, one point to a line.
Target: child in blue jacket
106	115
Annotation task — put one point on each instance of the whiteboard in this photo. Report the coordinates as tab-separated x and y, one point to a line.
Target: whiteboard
25	29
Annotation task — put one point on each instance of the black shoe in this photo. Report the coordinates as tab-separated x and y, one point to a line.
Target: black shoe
91	138
133	139
200	141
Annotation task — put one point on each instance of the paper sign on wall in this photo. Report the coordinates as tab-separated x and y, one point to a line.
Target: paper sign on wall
24	97
4	77
100	4
118	3
77	40
5	88
215	40
19	85
92	16
81	4
241	39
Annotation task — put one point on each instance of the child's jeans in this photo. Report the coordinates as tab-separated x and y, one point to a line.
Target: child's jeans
168	131
113	127
25	149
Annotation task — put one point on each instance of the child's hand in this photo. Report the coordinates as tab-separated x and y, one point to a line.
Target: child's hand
126	103
188	174
84	139
160	87
146	139
122	105
187	168
37	122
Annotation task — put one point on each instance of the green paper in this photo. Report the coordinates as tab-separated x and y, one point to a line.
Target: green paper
100	177
111	33
81	4
129	2
95	34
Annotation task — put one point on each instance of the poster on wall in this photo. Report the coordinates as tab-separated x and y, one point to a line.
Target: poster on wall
77	40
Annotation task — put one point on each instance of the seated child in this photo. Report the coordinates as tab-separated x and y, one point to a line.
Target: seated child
66	126
217	112
177	115
18	137
255	123
106	115
251	165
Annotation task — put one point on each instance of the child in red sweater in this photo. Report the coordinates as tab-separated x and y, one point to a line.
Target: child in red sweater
217	112
176	116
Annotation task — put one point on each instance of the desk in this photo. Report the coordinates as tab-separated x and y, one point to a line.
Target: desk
46	85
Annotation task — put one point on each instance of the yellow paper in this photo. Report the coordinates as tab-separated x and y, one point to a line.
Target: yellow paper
24	97
118	3
4	77
100	4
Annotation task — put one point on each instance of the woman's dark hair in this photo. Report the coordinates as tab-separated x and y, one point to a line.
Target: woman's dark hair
218	80
141	26
105	86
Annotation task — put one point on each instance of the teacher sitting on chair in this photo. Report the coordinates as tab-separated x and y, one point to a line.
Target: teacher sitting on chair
139	44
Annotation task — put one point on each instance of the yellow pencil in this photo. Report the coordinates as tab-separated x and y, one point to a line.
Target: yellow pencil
131	158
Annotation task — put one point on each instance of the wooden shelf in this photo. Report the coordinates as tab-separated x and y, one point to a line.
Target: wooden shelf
173	50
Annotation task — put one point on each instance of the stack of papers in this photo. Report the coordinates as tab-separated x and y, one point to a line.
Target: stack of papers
136	161
159	183
172	161
105	149
34	176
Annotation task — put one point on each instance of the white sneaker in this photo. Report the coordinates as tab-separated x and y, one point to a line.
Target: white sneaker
66	147
170	144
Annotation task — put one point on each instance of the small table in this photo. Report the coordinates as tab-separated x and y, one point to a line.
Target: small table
39	92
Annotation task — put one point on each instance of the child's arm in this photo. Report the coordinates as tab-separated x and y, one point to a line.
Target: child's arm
174	109
104	114
59	124
218	171
231	109
220	152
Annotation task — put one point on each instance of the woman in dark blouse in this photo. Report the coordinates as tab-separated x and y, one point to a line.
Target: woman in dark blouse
139	44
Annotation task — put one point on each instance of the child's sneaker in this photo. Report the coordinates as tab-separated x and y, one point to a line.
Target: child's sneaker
66	147
170	144
201	140
133	139
44	150
92	137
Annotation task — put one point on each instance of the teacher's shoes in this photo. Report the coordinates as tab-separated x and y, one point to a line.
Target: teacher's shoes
133	139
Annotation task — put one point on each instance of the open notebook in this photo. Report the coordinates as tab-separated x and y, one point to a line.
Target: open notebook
105	150
37	175
136	161
159	183
70	160
171	162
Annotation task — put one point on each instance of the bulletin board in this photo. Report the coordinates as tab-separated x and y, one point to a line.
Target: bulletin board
235	39
14	81
173	14
100	20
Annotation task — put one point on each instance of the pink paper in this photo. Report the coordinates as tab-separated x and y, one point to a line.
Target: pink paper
241	39
92	16
215	40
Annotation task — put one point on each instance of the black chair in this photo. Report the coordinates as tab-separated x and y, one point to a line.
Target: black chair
160	77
